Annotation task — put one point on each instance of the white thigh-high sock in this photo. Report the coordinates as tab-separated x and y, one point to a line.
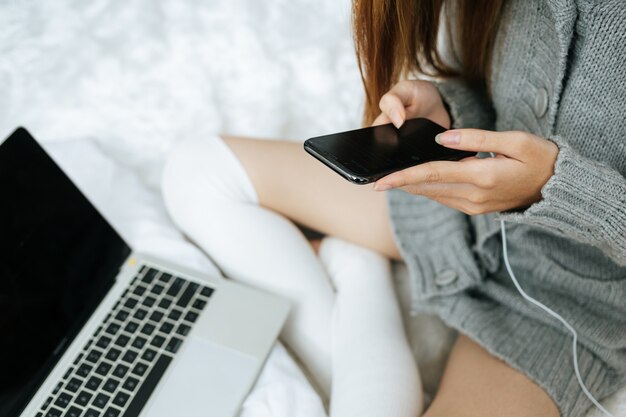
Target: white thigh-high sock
211	198
374	372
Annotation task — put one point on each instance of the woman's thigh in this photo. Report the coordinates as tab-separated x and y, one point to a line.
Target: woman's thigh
294	184
475	383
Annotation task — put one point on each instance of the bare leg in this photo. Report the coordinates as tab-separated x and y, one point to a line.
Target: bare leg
291	182
477	384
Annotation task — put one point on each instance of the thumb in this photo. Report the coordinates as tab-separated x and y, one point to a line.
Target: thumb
506	143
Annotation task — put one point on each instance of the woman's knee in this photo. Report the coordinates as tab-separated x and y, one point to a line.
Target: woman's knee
201	175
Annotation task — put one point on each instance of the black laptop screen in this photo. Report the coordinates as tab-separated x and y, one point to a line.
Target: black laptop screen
58	257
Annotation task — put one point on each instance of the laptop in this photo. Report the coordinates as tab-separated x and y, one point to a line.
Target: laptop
89	328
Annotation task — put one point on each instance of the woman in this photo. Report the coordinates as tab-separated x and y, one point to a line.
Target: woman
539	83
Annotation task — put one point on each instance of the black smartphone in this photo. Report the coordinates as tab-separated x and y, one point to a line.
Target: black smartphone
365	155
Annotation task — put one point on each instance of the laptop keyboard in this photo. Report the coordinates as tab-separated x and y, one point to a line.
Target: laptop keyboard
125	358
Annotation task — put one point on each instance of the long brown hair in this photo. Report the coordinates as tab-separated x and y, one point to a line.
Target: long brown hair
396	37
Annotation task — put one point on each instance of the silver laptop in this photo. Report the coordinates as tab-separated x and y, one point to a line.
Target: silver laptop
88	328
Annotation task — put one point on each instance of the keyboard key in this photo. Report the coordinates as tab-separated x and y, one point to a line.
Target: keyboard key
84	370
175	314
183	329
73	384
166	278
78	358
101	400
111	412
131	303
140	369
93	356
68	373
147	329
157	289
149	301
148	355
122	340
130	384
166	327
157	341
140	314
121	315
97	332
199	304
149	276
184	299
206	291
156	316
63	400
131	327
151	381
113	354
73	412
112	328
139	290
121	399
174	289
173	345
53	412
139	342
165	303
110	385
103	342
130	356
93	383
57	388
104	368
92	413
83	398
47	403
120	371
191	316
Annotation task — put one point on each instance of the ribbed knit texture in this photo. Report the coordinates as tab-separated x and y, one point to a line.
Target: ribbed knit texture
558	72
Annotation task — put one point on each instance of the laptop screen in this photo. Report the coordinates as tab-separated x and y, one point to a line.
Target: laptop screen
58	258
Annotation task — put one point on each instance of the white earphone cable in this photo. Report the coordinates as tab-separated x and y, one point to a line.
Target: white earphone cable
553	314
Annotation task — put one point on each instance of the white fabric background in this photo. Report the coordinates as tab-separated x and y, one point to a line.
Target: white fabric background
110	85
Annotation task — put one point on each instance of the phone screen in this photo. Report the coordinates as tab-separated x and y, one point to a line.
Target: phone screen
364	155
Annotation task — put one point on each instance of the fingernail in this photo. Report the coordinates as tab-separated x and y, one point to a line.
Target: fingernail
381	187
448	138
395	118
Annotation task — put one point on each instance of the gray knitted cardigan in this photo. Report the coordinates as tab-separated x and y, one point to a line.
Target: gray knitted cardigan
559	71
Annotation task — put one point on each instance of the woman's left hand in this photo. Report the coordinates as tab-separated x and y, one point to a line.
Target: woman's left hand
512	180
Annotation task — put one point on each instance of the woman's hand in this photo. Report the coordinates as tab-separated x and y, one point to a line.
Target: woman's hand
411	99
511	180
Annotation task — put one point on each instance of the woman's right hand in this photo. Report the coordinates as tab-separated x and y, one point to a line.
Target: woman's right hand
410	99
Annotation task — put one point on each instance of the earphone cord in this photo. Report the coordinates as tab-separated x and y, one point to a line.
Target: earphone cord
553	314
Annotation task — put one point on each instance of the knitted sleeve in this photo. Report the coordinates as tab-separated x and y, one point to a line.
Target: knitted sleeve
584	200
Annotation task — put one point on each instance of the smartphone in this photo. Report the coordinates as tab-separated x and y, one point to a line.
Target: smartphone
364	155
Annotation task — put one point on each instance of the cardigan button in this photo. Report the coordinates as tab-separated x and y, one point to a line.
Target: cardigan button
541	102
446	277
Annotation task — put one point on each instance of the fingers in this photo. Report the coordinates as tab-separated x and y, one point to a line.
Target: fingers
511	144
402	95
382	119
392	107
431	173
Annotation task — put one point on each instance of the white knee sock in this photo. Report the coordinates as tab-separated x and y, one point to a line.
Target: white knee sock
374	373
212	199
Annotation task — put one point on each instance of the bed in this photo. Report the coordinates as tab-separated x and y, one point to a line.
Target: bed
109	86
